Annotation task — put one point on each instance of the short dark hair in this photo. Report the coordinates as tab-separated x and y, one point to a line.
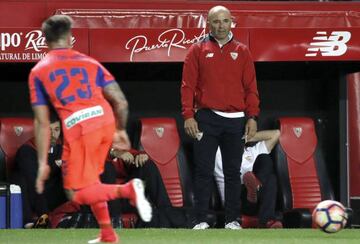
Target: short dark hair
56	27
53	116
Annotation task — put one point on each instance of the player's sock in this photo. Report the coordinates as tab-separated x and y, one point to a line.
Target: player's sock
126	191
107	233
101	213
102	193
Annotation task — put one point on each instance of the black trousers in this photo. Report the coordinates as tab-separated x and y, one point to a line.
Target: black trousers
25	176
154	187
265	209
226	133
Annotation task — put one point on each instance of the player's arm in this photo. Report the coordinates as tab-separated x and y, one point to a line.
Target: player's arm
42	140
271	137
116	98
113	93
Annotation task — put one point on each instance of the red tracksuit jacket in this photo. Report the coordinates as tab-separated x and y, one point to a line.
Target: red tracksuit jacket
219	78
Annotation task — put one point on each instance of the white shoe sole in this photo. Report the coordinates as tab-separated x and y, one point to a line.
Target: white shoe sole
228	228
201	226
97	240
142	204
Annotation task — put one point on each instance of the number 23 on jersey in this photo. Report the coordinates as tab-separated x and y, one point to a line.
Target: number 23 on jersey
71	84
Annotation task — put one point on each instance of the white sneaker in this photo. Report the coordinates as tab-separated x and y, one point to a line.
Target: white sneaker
97	240
141	203
201	226
29	225
234	225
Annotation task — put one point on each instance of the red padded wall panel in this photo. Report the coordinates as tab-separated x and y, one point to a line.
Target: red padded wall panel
298	140
304	184
354	133
13	133
160	140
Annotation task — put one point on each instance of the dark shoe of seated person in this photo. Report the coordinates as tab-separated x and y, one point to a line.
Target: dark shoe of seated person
252	185
42	222
272	224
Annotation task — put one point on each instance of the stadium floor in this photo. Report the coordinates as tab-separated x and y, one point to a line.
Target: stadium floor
169	236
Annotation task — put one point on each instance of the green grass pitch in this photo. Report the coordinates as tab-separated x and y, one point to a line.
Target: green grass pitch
175	236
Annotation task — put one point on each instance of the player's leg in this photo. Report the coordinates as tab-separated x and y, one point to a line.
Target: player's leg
133	190
84	161
107	233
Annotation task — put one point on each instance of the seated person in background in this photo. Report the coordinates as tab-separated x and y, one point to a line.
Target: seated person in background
26	167
258	176
136	164
121	167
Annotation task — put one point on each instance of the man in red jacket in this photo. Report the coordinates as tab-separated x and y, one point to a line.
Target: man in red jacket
220	105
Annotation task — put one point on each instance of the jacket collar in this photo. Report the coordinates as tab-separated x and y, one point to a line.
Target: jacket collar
230	37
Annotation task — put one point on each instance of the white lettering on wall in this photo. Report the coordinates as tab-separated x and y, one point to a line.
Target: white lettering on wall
169	39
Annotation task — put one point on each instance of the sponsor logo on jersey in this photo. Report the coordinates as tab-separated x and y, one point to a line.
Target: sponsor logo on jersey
82	115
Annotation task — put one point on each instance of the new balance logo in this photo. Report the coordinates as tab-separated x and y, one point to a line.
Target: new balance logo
209	55
333	45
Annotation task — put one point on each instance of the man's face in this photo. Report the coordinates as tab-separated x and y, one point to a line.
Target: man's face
55	131
219	23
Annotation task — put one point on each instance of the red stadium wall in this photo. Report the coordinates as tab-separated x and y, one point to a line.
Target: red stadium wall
124	31
37	11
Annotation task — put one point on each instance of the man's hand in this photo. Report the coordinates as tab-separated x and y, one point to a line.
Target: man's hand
141	159
191	127
250	129
42	176
121	140
127	157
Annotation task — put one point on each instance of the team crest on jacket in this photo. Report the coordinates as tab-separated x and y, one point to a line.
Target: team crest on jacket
18	130
58	162
234	55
